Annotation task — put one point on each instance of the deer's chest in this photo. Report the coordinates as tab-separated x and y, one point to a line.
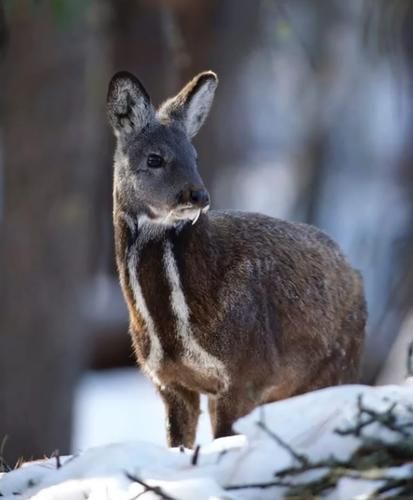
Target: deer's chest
172	353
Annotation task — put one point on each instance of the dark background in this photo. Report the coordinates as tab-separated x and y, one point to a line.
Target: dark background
312	121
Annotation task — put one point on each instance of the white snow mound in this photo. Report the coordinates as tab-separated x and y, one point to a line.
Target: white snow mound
305	423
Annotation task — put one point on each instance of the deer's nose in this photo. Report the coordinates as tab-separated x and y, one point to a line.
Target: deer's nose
197	197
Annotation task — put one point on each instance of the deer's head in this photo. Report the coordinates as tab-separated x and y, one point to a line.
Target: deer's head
156	175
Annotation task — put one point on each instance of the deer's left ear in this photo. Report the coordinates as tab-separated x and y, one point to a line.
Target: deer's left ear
191	106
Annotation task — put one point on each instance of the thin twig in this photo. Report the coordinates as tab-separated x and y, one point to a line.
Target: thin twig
368	461
302	459
386	418
323	464
270	484
391	485
410	360
56	455
153	489
221	455
4	466
195	456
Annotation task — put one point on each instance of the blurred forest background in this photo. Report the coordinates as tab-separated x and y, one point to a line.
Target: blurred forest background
312	121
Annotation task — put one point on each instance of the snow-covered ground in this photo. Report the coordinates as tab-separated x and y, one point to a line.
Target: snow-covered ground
275	437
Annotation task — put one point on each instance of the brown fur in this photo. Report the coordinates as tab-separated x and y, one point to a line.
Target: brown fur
275	304
275	301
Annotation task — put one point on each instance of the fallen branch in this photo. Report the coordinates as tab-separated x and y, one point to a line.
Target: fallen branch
386	418
302	459
369	461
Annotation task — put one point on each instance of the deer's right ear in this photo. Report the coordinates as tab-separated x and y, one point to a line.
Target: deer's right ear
129	106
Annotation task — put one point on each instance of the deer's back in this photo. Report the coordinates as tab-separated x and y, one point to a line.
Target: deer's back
296	263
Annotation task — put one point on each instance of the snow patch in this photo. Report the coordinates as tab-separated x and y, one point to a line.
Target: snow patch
306	423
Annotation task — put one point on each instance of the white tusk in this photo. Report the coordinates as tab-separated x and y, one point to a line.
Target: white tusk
196	217
168	216
205	209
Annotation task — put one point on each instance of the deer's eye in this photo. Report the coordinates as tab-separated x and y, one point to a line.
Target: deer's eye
155	161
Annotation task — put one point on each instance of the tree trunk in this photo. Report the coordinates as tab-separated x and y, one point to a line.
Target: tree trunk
47	227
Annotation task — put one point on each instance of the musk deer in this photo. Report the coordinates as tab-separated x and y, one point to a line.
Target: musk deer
242	307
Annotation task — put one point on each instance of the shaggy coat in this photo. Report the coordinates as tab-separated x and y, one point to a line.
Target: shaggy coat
241	307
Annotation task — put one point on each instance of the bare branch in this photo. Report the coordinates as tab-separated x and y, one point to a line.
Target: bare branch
153	489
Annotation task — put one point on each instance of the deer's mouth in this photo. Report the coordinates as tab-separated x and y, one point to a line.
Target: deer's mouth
177	214
189	212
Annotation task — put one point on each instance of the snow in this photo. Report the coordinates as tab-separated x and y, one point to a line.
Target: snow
305	422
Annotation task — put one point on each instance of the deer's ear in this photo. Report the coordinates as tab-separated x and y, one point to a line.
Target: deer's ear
191	106
128	104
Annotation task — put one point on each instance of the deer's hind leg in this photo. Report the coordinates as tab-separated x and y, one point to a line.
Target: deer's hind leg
182	408
225	409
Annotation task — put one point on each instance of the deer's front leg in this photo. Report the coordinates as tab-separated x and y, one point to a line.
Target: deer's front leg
182	412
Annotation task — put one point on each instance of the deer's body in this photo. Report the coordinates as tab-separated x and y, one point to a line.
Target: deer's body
242	307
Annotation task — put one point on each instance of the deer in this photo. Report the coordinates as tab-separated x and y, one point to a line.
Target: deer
241	307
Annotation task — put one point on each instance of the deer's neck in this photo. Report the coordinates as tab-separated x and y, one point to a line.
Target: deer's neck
151	282
159	272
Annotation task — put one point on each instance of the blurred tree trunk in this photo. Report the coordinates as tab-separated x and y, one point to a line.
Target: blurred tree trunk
47	228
